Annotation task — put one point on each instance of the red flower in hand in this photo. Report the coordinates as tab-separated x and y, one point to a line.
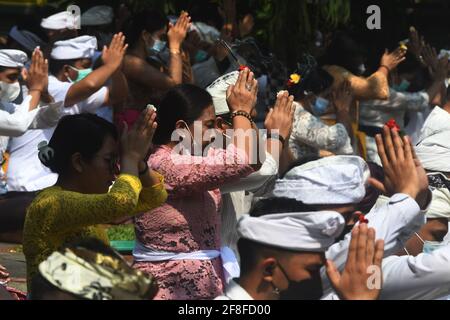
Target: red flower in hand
361	218
242	68
393	125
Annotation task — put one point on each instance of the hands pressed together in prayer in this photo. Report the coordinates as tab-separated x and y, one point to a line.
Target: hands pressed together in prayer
177	33
281	116
243	95
113	55
137	142
403	170
363	265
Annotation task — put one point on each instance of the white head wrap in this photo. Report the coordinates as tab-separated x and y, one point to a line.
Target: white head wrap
218	91
304	232
433	149
97	16
12	58
60	21
25	38
331	180
76	48
440	206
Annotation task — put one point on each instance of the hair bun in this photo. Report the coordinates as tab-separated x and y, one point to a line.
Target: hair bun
46	153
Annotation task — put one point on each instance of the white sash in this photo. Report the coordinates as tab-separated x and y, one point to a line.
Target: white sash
230	264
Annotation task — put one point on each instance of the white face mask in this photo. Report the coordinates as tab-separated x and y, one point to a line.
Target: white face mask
9	91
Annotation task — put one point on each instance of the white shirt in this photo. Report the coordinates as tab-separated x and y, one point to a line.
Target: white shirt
310	135
376	113
234	291
237	199
26	173
424	277
16	119
395	220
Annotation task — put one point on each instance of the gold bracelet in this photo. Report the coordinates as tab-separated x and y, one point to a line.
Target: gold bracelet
175	52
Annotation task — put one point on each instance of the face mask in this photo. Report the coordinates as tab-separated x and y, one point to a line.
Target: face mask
320	106
9	91
431	246
201	56
403	86
362	69
310	289
158	46
81	73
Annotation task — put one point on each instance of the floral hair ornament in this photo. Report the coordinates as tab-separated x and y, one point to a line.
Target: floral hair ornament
46	153
294	79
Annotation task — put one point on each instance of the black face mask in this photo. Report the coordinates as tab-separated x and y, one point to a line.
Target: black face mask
310	289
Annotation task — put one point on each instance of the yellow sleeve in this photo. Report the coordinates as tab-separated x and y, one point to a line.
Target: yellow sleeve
75	210
152	197
375	87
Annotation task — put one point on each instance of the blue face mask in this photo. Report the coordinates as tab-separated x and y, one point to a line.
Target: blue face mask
201	56
320	106
82	73
431	246
158	46
403	86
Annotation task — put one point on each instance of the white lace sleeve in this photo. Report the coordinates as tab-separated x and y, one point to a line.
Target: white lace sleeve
311	131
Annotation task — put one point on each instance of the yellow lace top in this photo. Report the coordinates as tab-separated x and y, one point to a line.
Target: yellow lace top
57	216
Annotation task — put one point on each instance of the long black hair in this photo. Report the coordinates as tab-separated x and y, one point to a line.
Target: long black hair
343	51
147	20
184	102
313	78
83	133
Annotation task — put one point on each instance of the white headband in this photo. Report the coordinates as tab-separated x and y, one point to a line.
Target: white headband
76	48
60	21
331	180
304	231
218	91
12	58
433	149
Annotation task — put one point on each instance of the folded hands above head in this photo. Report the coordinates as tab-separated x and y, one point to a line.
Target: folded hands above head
403	170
